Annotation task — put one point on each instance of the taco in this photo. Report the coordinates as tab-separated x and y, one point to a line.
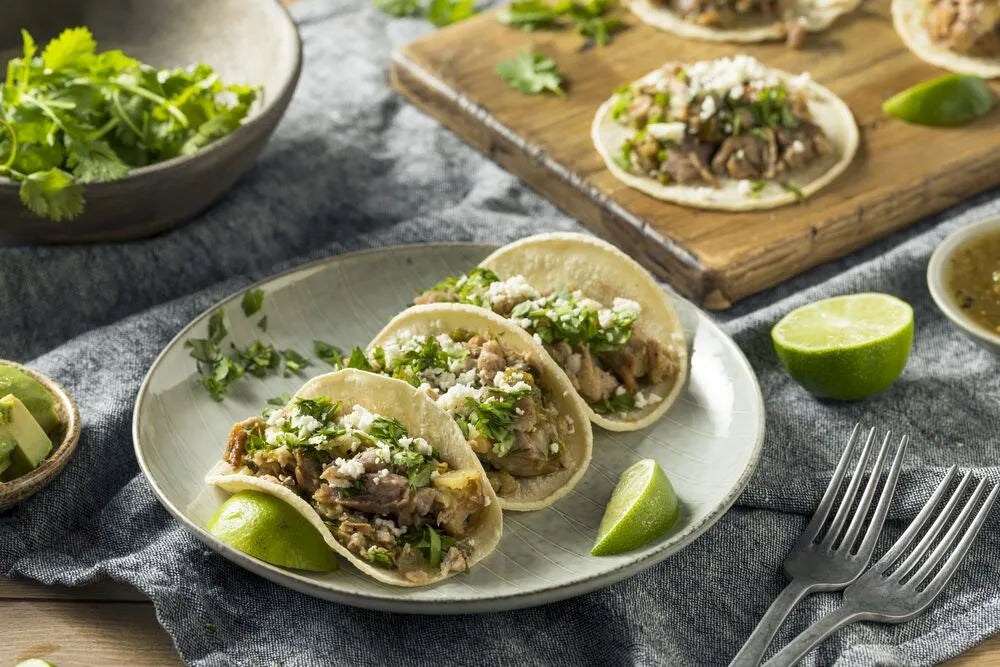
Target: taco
960	35
727	134
742	20
383	474
600	316
516	408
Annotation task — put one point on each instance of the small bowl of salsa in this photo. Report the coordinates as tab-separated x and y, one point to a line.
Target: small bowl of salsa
964	279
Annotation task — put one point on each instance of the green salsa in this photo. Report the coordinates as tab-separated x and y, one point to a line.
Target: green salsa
973	279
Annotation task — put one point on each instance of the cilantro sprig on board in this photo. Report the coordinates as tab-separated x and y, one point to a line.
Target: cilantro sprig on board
531	73
71	116
438	12
589	17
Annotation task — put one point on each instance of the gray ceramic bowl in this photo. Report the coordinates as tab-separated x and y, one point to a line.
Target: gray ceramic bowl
937	270
63	443
247	41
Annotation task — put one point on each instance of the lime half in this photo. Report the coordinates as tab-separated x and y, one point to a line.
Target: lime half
34	662
947	100
270	529
846	347
642	507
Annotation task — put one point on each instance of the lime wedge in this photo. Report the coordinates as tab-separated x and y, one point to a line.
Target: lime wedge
270	529
643	507
846	347
948	100
34	662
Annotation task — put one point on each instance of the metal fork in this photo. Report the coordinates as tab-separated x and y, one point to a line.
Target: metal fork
830	563
895	595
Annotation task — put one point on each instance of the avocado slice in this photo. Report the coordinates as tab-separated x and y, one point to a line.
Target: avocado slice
31	444
35	397
6	447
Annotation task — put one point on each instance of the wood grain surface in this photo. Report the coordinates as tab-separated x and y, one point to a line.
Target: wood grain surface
901	174
113	624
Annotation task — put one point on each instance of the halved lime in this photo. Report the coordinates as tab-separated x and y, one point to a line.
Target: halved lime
948	100
643	506
846	347
34	662
270	529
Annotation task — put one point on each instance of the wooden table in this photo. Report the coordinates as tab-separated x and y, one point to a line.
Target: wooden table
113	624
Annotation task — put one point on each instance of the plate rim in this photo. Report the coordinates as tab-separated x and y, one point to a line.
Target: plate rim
394	603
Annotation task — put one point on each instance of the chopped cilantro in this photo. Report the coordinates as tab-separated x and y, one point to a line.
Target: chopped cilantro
617	403
217	326
788	187
495	415
258	358
446	12
262	323
420	476
587	16
294	362
561	317
331	354
430	543
531	73
387	430
468	287
253	301
357	360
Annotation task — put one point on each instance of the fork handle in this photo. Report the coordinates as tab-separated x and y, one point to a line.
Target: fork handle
812	636
755	646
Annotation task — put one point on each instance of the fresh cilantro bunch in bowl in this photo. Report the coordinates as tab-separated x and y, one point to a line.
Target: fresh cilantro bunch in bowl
118	121
71	116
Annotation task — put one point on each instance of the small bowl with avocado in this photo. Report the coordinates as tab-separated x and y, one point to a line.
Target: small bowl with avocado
963	276
39	429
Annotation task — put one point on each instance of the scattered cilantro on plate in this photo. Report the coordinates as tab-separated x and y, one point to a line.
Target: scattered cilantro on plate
531	73
438	12
72	116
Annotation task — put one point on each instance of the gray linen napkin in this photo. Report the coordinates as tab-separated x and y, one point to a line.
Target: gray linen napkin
352	167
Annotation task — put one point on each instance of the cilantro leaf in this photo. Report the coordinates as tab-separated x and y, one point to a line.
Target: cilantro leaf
528	15
294	362
217	326
531	73
280	400
74	47
587	16
397	8
446	12
358	360
94	161
262	323
52	194
331	354
258	358
253	301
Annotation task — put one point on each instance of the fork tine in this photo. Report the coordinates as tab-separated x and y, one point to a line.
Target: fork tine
852	490
949	537
901	544
928	539
882	509
823	510
861	514
956	557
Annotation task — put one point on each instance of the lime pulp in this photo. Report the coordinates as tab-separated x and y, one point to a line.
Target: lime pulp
643	507
948	100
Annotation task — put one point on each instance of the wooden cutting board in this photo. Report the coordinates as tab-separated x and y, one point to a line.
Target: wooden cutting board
901	173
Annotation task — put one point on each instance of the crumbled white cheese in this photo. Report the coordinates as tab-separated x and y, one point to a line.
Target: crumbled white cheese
707	107
619	390
422	446
504	381
666	131
723	74
389	525
351	468
745	187
642	399
358	419
620	305
305	424
554	448
798	147
488	501
512	289
454	399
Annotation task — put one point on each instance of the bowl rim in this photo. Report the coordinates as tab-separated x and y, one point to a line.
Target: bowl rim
20	488
282	21
936	276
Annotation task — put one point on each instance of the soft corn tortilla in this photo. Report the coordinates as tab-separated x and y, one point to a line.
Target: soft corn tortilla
602	272
391	398
815	15
828	111
444	318
908	15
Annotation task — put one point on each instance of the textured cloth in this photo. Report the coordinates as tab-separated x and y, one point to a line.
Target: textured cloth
352	166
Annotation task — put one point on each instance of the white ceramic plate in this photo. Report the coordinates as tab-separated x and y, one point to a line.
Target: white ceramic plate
708	442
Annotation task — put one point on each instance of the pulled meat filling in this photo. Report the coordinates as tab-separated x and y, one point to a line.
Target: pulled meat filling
688	136
386	496
609	364
728	14
971	27
493	393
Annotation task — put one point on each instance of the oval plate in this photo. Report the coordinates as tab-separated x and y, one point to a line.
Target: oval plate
708	442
